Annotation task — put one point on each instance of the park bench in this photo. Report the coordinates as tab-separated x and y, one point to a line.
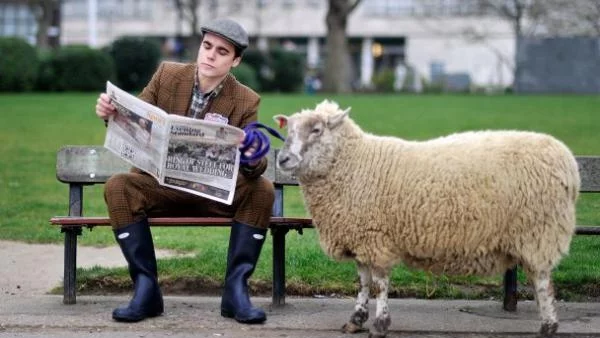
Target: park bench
81	166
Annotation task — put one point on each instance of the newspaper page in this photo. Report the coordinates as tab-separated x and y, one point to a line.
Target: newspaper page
197	156
203	158
138	132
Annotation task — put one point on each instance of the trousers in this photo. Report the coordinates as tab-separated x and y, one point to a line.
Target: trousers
133	196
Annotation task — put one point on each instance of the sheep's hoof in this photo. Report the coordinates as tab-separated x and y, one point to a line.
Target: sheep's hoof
376	335
380	327
548	330
350	327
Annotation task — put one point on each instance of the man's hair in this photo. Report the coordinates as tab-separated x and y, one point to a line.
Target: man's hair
237	51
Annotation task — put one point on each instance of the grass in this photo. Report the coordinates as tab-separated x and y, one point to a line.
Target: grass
34	126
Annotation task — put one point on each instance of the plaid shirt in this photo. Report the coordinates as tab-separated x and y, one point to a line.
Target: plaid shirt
200	100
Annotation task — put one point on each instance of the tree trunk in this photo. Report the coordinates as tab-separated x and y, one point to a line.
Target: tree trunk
47	15
338	66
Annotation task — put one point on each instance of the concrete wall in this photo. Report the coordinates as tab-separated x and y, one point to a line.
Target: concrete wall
559	65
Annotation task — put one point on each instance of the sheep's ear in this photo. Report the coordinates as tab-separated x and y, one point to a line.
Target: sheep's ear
281	120
336	119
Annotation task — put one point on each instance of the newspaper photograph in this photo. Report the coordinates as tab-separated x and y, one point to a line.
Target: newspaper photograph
197	156
202	157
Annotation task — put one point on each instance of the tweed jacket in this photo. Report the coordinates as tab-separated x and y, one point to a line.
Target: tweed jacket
171	89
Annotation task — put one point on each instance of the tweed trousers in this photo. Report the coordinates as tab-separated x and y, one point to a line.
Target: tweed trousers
132	196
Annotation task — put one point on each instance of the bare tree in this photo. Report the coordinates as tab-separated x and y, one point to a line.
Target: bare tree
338	76
187	11
581	17
517	13
47	15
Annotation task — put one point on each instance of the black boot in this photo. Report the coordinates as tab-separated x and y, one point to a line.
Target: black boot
136	243
245	243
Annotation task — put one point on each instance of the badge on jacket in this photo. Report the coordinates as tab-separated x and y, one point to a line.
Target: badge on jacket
215	117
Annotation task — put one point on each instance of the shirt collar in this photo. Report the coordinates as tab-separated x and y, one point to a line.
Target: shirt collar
212	94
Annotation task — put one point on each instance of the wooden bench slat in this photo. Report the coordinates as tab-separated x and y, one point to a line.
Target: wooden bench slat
589	170
96	164
67	221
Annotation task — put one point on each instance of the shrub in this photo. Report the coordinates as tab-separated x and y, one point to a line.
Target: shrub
76	68
246	75
261	63
277	70
289	70
135	60
18	65
384	80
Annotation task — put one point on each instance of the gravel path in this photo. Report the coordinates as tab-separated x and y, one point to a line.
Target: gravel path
34	269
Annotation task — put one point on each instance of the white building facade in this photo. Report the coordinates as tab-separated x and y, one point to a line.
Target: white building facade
432	36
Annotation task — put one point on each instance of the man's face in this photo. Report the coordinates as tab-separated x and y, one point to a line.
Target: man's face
216	56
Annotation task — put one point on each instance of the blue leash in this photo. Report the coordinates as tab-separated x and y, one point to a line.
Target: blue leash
254	135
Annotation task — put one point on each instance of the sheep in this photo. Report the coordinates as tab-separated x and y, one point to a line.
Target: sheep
469	203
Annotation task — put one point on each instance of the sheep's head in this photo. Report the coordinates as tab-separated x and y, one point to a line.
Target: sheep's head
311	138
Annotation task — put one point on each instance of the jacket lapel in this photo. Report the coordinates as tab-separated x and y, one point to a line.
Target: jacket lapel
223	104
182	90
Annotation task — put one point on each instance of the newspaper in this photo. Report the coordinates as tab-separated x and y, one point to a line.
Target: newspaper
197	156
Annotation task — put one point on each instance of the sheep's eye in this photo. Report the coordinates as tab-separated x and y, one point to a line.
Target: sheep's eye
316	130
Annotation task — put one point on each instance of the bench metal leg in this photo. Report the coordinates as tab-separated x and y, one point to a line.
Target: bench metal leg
70	259
278	251
510	290
69	276
279	266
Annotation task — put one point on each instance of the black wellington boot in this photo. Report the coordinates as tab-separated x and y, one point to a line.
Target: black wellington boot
136	243
245	243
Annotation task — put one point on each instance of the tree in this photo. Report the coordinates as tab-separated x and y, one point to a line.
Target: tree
338	77
47	15
187	11
516	12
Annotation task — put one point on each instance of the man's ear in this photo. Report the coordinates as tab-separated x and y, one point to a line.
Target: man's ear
281	120
236	61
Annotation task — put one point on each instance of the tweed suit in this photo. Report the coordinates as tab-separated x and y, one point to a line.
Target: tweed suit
133	196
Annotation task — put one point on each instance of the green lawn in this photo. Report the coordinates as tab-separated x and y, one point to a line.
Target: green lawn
34	126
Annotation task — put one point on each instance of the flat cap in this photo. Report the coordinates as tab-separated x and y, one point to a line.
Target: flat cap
229	30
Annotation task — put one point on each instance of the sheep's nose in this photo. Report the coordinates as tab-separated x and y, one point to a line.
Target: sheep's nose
283	159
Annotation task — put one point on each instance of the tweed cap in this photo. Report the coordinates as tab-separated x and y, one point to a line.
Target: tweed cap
229	30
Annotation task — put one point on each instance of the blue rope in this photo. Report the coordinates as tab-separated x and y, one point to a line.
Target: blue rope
254	135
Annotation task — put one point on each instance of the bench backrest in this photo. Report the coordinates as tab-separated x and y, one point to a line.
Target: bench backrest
95	164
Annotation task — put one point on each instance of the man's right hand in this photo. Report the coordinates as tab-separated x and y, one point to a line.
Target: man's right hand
105	109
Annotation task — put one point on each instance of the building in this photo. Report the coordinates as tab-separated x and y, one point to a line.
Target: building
432	36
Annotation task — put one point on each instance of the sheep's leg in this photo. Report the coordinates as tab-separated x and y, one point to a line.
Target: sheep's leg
382	317
361	310
544	296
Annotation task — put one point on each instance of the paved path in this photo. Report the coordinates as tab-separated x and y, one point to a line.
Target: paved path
46	316
34	269
26	311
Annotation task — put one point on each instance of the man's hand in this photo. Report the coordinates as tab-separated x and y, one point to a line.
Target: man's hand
104	109
250	152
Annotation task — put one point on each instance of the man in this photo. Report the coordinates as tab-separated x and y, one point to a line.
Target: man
204	90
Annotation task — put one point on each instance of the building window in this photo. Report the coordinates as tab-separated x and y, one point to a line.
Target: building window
288	4
262	3
17	20
437	8
110	9
314	3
